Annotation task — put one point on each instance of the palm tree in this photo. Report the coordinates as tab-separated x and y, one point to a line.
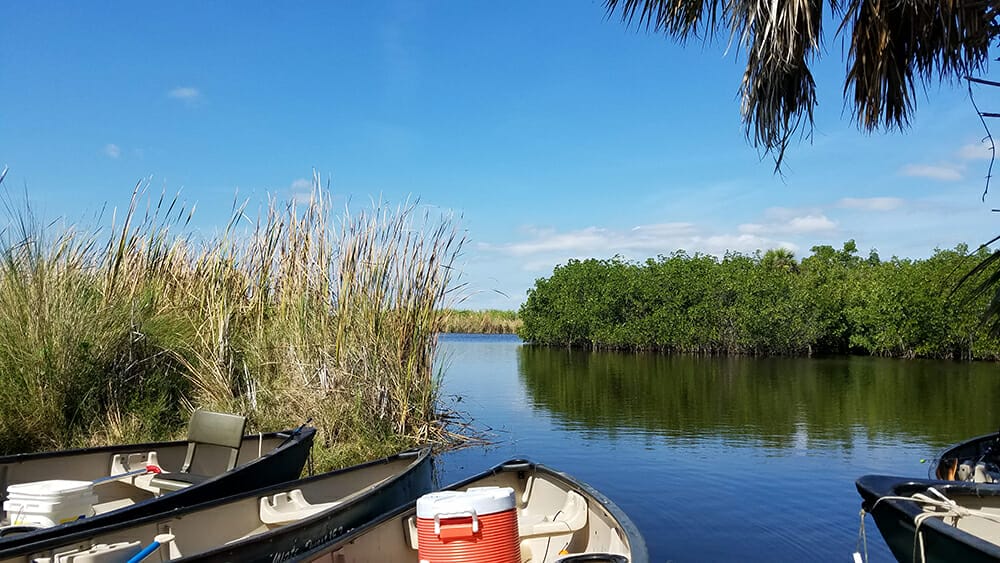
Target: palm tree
780	259
894	44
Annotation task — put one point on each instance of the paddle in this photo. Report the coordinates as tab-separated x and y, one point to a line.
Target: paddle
159	540
296	432
145	470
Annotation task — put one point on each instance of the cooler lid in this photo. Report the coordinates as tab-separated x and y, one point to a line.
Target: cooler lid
481	500
54	487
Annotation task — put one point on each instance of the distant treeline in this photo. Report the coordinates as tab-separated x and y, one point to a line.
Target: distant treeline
831	302
491	321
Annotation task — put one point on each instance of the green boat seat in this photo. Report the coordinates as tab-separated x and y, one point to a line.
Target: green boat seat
211	429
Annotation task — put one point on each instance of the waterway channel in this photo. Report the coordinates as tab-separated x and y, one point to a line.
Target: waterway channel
717	459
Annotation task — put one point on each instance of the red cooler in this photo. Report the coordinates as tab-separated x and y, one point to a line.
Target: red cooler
474	526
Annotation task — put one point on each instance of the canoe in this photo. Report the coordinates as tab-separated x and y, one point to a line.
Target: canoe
266	525
121	488
929	520
976	460
558	519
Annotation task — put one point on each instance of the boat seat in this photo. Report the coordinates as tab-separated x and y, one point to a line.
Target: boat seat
570	518
980	475
410	532
206	429
100	553
177	481
124	466
287	507
114	504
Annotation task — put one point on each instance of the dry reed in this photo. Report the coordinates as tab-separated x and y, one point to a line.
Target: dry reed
490	321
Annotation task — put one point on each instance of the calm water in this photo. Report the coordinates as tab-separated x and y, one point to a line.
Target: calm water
719	459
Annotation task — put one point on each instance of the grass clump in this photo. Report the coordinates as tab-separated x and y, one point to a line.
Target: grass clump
290	315
490	321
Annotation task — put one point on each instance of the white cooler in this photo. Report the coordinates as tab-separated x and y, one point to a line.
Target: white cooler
49	503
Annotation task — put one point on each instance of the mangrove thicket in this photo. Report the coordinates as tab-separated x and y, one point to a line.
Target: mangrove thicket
833	301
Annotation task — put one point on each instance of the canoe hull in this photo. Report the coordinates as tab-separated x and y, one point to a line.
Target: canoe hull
233	529
298	539
258	468
896	520
543	494
985	448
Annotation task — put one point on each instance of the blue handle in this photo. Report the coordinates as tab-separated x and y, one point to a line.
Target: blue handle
146	552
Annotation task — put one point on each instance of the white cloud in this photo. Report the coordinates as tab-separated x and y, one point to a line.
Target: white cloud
871	203
301	190
975	151
112	150
546	247
583	240
744	242
944	173
664	230
808	224
801	224
752	228
186	94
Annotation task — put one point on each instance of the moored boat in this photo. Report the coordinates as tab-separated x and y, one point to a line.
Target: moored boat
267	525
56	493
558	518
930	520
976	460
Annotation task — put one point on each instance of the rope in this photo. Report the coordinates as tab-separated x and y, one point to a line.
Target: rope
862	540
945	506
549	542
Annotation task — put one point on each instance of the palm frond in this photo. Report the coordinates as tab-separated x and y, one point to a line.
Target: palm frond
985	277
678	18
780	39
894	44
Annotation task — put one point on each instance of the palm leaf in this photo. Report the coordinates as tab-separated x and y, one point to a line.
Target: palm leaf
894	45
985	277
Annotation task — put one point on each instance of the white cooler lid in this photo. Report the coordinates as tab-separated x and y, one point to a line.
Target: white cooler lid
482	500
54	487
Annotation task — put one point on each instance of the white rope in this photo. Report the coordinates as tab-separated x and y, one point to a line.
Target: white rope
945	506
862	541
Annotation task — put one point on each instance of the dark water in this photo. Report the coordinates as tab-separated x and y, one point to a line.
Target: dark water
719	459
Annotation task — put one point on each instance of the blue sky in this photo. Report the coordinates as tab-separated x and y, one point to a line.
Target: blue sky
553	132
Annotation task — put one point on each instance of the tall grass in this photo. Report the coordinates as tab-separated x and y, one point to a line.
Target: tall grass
292	314
490	321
